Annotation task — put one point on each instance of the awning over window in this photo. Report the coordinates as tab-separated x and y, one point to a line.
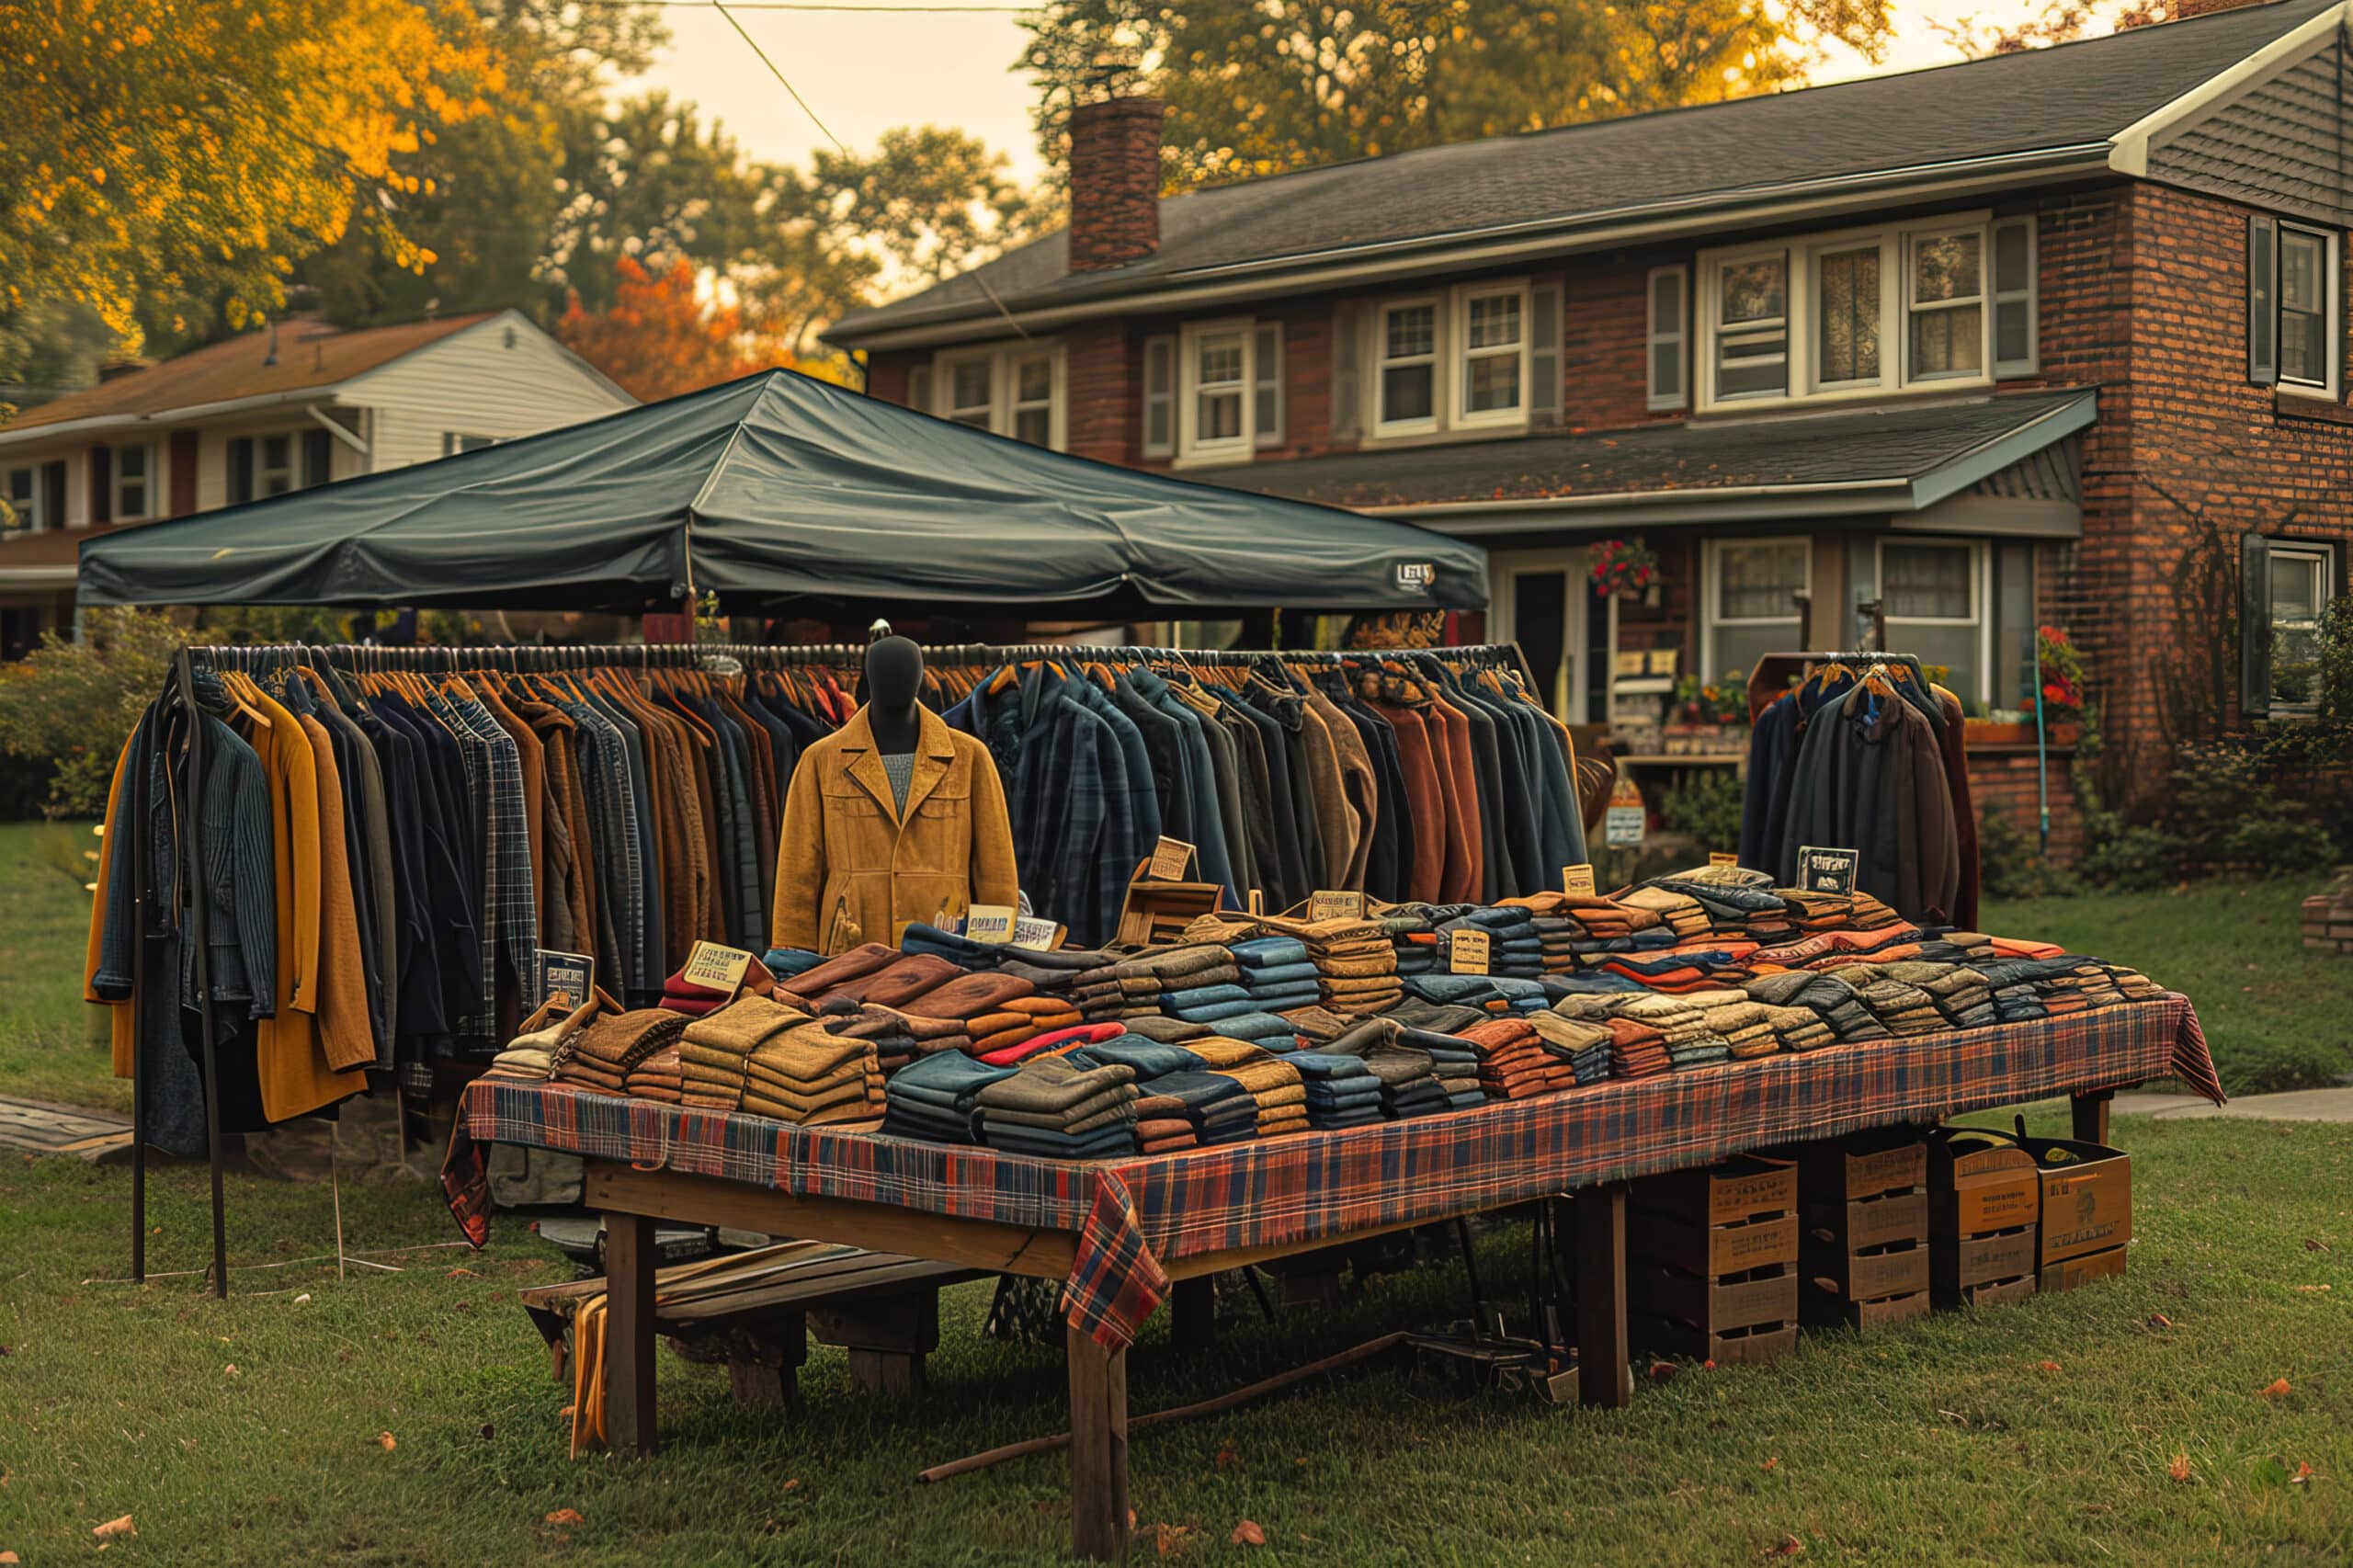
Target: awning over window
772	489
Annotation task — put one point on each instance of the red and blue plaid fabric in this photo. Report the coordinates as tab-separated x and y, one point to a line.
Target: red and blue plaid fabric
1128	1214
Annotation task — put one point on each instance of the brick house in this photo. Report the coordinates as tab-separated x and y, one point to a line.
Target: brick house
259	414
2049	337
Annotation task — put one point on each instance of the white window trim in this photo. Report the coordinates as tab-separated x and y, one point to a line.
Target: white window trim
2329	289
1802	320
1457	342
1381	424
1712	585
147	481
1190	448
1654	339
1982	300
1003	361
2030	298
1980	600
2325	560
28	515
1267	371
263	469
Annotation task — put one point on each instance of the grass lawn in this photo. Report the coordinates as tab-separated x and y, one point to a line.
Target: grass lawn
2048	1431
48	1047
2277	1015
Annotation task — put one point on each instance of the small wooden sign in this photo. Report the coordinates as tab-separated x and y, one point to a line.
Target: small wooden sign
721	969
1331	904
1257	903
991	923
1828	870
1632	663
1468	951
566	979
1171	859
1577	880
1722	858
1028	931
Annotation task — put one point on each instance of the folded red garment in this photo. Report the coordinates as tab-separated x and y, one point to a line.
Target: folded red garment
1073	1038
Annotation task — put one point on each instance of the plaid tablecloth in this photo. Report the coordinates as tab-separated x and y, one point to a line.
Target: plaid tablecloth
1132	1214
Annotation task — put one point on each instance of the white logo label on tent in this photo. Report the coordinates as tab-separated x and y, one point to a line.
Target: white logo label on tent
1418	575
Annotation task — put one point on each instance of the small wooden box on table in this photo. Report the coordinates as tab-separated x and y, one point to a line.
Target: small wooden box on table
1864	1250
1712	1261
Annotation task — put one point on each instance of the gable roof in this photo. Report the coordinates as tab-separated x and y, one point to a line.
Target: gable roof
2071	106
310	355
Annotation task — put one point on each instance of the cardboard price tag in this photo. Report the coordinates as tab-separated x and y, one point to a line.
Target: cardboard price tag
721	968
1623	826
1028	931
1577	880
1171	859
566	979
1723	857
1468	951
1330	903
991	923
1828	870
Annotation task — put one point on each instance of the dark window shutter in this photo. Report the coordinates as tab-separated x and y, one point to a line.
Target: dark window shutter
1544	356
1347	391
317	457
101	484
241	469
2255	626
2263	300
52	499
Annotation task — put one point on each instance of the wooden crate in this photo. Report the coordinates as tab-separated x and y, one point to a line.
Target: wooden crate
1745	1188
1713	1251
1864	1251
1671	1338
2068	1273
1993	1292
1978	1190
1712	1261
1985	1268
1869	1165
1761	1297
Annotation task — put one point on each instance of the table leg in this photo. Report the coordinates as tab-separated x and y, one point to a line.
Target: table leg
1193	1305
1604	1375
629	1334
2091	1115
1098	1446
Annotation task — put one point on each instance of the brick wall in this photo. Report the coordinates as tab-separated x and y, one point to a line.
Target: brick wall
1105	388
2003	784
886	373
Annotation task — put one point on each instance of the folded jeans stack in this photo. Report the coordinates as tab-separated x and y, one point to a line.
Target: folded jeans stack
1637	1050
1220	1109
1340	1089
934	1099
1579	1045
1161	1126
1057	1109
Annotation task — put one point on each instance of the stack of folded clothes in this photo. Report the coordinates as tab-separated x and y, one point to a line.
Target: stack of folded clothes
1746	1026
810	1074
1836	912
786	963
1579	1048
1161	1126
1340	1089
1799	1029
1961	993
1705	1050
894	985
661	1076
1901	1007
1737	902
688	999
1491	993
1674	1018
1454	1064
1127	986
934	1099
1277	973
1957	947
1637	1049
1513	945
714	1050
902	1038
1681	969
1408	1086
1679	912
600	1052
1054	1108
1148	1059
973	998
1411	934
818	979
532	1055
1220	1109
1051	1042
1829	995
1015	1022
1272	1083
1355	962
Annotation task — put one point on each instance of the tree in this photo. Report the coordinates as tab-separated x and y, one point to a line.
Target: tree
1288	83
933	200
184	154
2058	21
659	336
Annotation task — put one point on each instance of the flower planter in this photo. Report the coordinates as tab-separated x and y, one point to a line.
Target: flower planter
1985	733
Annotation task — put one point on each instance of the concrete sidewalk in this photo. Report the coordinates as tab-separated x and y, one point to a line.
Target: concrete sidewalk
2296	1105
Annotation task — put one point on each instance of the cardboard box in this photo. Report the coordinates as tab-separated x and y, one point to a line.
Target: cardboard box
1712	1251
1752	1345
2087	1208
1976	1188
2068	1273
1744	1188
1765	1297
1869	1165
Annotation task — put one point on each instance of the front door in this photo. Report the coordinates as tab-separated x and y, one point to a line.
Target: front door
1538	599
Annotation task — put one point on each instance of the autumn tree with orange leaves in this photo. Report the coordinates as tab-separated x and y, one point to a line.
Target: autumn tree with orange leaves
660	336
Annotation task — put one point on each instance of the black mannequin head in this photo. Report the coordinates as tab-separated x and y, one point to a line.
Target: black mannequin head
894	680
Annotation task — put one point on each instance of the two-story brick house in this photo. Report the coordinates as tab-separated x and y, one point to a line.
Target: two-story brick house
1982	347
257	415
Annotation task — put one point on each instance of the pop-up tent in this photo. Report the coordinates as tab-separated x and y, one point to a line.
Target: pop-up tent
771	489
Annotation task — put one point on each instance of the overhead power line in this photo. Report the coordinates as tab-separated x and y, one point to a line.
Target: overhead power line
885	10
780	76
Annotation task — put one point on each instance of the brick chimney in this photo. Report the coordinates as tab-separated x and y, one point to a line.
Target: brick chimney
2185	9
1114	182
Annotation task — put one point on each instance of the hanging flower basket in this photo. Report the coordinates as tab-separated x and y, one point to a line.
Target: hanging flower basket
1623	568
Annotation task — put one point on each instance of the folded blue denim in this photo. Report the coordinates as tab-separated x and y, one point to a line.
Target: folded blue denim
1200	995
1215	1012
948	1072
1260	952
1280	974
1258	1028
1332	1121
1150	1058
1320	1066
1109	1142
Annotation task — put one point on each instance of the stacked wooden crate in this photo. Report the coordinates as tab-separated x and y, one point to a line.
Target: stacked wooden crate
1712	1261
1984	1202
1863	1254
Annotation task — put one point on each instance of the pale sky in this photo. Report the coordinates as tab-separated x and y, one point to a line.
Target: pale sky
865	73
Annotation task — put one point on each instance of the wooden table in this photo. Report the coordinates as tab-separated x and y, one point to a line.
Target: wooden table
632	1201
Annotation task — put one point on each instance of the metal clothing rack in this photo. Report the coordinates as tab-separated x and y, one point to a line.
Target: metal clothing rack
362	658
1771	676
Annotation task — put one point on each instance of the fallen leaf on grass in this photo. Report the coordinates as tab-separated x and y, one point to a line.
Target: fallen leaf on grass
2159	1319
462	1274
10	1559
230	1370
1169	1540
2277	1389
1788	1546
564	1517
1247	1533
114	1527
791	1482
2311	1289
1662	1370
1224	1456
302	1298
2047	1367
2313	1243
2304	1474
387	1440
2179	1468
1773	1463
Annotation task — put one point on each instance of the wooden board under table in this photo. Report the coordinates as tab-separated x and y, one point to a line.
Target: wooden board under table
632	1201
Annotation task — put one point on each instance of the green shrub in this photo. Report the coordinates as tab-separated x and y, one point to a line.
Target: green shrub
2010	865
1704	802
68	706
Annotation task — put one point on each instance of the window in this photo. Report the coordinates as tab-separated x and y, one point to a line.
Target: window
1228	399
1666	337
1159	397
1863	313
274	465
1408	382
1946	300
1749	610
1015	391
2015	331
263	466
1491	327
24	499
452	443
2300	588
1221	380
1266	384
132	483
2303	308
1932	591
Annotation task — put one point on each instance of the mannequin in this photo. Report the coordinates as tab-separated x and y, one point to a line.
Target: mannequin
892	819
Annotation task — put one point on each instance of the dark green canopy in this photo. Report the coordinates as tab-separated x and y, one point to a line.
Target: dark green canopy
774	488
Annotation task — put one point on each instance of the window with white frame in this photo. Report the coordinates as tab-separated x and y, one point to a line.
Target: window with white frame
453	442
1491	325
1666	337
1863	312
2300	588
1013	391
1406	387
2304	302
1214	392
274	465
1218	391
1747	603
132	481
1934	594
24	498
